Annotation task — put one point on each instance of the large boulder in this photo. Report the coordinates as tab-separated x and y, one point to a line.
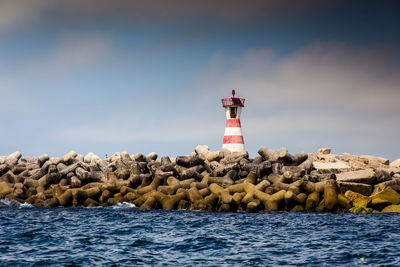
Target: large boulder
5	189
375	162
395	163
364	189
324	151
338	166
388	194
392	208
362	176
382	186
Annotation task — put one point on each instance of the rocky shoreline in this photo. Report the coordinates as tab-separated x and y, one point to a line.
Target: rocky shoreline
274	180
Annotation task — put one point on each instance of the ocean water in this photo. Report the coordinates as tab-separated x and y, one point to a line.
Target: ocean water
122	235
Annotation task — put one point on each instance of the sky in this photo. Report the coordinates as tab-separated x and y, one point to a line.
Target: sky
141	76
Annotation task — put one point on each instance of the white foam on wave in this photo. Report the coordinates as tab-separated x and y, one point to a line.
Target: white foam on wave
124	205
25	205
14	204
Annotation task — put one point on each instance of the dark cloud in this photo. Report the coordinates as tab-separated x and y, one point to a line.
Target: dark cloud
15	14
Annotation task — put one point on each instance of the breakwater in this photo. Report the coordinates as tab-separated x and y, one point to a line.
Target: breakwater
275	180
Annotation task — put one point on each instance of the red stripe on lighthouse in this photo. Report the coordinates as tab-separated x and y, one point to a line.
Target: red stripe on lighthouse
232	123
233	139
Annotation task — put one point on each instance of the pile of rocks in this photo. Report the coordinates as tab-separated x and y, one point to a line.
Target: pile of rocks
275	180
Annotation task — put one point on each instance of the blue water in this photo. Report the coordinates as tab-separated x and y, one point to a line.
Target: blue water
124	236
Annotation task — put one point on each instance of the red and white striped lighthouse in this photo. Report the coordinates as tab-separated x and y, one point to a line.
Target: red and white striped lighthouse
233	138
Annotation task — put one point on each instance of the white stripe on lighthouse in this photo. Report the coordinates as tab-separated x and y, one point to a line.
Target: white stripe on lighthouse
233	131
234	147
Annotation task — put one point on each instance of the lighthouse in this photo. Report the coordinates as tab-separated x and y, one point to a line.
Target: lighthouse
233	138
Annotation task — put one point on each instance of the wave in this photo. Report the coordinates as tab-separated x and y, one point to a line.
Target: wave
123	205
11	203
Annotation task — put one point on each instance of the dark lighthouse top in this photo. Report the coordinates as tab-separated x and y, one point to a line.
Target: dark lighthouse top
233	101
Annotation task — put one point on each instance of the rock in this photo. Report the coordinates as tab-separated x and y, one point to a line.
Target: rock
327	157
383	174
347	157
28	182
381	186
315	176
81	173
392	208
361	209
395	163
280	154
202	150
69	156
375	162
70	168
43	158
93	192
394	170
214	155
151	156
307	164
5	189
66	198
265	152
331	194
338	166
139	157
16	154
45	181
300	157
324	151
91	203
364	189
12	159
378	203
312	201
362	176
88	157
75	182
357	164
3	169
388	194
344	201
188	161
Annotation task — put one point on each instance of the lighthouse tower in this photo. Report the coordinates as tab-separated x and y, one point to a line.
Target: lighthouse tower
233	139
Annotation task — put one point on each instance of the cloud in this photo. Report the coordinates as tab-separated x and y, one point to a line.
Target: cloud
325	93
71	54
15	14
327	75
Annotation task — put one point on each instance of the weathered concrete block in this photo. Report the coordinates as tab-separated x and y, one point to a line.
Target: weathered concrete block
366	176
338	166
375	162
364	189
324	151
382	186
388	194
395	163
202	149
347	157
69	156
392	208
151	156
43	158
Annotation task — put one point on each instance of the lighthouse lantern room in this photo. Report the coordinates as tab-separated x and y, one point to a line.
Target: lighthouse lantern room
233	139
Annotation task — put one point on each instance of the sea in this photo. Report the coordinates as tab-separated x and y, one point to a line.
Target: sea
123	235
